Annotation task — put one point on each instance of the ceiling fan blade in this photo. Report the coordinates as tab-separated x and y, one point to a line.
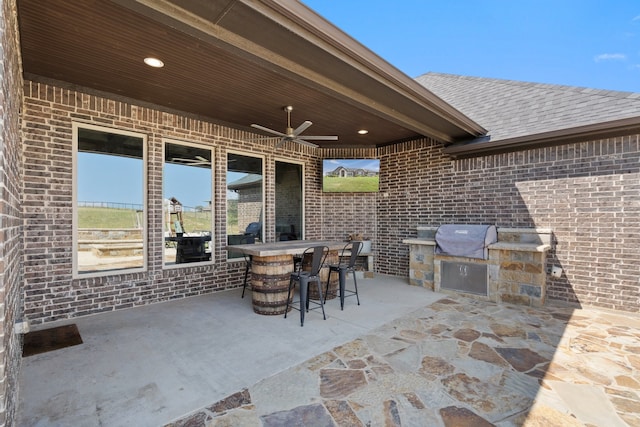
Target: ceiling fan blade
292	134
321	138
202	159
302	127
179	159
303	142
262	128
191	162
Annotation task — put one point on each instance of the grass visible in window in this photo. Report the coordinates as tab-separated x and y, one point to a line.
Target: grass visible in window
111	218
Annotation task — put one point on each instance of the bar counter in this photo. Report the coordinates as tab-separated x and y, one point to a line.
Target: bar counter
272	265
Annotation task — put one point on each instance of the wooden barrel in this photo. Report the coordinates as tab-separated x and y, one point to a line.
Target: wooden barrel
270	283
332	258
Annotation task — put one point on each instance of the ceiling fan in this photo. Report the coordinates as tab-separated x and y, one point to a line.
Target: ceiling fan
197	161
293	134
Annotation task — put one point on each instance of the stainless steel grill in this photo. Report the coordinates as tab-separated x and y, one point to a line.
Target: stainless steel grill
467	241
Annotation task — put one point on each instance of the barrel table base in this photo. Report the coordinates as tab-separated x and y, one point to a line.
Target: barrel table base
270	283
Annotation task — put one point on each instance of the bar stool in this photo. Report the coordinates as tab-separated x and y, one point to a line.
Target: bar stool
247	239
304	279
342	269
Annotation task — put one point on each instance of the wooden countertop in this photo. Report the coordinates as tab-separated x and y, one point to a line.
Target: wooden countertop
287	247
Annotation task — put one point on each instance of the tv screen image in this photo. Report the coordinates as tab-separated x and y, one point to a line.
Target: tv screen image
350	175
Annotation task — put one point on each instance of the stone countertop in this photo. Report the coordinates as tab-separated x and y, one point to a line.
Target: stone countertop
420	242
509	246
521	247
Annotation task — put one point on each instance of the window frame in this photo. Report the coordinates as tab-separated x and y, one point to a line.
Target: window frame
145	223
212	151
302	164
262	157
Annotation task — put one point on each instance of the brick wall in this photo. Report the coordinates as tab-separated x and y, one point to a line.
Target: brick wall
51	293
578	190
587	193
10	210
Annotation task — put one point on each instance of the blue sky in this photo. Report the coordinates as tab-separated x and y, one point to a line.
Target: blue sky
589	43
330	165
102	178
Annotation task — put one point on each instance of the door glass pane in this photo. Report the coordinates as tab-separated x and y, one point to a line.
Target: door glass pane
288	201
110	211
187	191
244	198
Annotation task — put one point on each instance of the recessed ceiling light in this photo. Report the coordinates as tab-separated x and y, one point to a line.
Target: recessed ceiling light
153	62
363	131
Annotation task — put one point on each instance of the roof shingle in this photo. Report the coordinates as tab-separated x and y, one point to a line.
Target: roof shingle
509	109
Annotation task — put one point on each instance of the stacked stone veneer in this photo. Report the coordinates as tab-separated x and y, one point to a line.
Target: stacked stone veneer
516	267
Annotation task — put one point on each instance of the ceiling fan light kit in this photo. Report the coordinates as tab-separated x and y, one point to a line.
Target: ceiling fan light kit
292	134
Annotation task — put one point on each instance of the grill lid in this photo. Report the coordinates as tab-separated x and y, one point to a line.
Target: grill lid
465	240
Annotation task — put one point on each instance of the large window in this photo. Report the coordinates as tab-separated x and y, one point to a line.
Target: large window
109	220
187	191
289	201
245	198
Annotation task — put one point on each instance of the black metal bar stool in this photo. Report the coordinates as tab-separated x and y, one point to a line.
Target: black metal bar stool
343	268
304	279
247	239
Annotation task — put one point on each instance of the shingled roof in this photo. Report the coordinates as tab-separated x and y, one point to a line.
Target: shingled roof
519	114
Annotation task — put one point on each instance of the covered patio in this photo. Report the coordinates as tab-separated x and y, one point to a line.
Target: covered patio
168	342
405	356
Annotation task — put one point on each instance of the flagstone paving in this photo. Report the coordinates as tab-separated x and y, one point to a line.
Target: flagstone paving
458	362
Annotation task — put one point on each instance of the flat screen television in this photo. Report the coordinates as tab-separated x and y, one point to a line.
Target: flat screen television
350	175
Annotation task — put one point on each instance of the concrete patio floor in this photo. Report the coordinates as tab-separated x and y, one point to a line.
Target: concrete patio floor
405	357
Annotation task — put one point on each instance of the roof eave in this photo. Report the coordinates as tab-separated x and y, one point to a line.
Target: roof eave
484	146
295	18
370	63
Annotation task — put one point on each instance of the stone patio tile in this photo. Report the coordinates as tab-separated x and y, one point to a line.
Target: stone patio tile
588	404
507	366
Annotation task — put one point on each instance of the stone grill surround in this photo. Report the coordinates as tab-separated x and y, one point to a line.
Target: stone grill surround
516	265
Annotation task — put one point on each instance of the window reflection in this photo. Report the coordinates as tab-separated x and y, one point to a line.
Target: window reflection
244	199
289	201
187	190
110	214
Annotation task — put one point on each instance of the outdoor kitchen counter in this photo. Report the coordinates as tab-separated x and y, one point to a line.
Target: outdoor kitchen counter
510	246
516	266
520	247
428	242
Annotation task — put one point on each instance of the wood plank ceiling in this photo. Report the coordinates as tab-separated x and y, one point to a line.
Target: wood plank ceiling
235	62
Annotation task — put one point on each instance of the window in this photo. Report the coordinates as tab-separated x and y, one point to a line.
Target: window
109	220
289	201
187	195
245	198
